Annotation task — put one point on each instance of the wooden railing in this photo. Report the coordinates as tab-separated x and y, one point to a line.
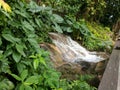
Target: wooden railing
111	76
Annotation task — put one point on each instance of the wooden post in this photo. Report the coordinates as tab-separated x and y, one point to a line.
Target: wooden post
111	76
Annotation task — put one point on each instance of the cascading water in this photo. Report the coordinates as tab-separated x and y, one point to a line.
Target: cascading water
72	51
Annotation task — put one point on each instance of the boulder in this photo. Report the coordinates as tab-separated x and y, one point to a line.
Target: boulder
70	70
71	58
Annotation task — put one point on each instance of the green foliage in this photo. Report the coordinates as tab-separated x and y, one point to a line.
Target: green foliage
4	63
92	35
88	9
80	84
100	38
6	84
24	65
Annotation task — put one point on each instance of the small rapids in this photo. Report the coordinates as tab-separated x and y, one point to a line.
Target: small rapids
72	51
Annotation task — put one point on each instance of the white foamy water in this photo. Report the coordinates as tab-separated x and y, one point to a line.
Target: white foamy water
73	51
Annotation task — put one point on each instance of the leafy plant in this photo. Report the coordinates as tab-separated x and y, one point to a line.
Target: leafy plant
74	14
92	35
100	39
6	84
23	63
80	84
87	9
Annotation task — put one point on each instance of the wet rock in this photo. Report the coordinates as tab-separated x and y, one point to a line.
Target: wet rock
84	65
71	59
55	54
72	50
70	71
100	67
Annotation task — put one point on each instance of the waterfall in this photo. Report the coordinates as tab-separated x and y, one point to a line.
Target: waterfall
72	51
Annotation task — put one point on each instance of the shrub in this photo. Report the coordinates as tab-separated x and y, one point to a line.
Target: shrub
24	65
100	38
80	84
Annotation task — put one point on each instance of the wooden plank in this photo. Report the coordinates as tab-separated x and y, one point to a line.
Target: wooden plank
111	76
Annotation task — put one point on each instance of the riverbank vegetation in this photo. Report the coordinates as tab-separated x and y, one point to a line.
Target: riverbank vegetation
24	24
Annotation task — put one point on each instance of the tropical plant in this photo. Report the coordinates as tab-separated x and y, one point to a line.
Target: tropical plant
79	29
80	84
24	65
100	38
87	9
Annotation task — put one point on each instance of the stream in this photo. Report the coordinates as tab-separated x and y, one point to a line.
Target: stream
72	51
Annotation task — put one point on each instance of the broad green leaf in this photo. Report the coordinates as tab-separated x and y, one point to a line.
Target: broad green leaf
69	29
31	80
32	36
20	13
8	52
58	28
16	77
76	26
16	56
20	49
27	32
28	88
1	52
36	63
58	18
0	42
5	84
28	26
33	56
20	67
42	61
36	9
6	14
69	22
50	82
38	23
22	87
34	43
18	39
85	29
9	46
41	79
24	74
60	89
9	37
40	88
